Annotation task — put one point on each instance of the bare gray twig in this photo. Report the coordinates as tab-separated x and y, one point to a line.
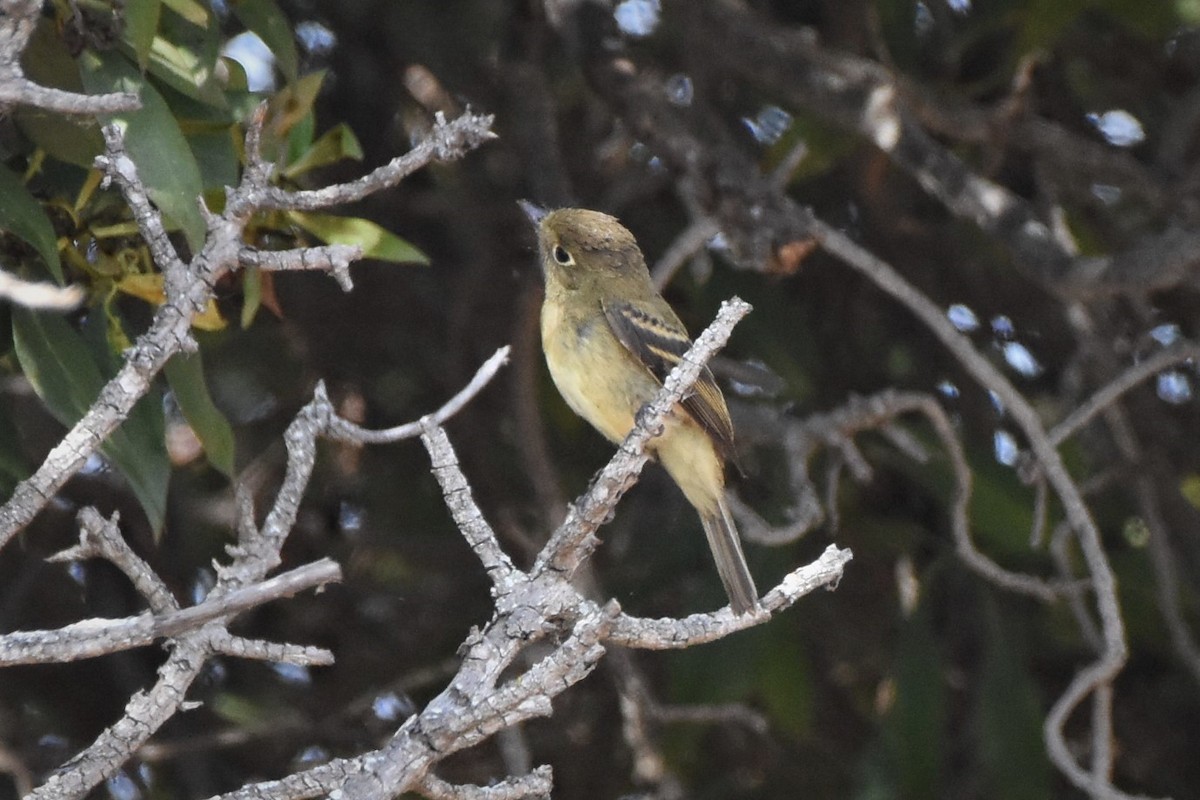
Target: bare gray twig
536	784
529	608
1104	397
16	26
447	141
756	219
1114	651
334	259
345	431
95	637
189	289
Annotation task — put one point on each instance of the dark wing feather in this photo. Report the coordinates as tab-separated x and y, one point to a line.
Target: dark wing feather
659	341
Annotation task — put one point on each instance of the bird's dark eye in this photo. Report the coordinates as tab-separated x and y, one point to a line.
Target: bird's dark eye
562	256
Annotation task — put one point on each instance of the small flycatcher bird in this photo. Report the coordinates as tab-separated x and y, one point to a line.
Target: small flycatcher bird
610	341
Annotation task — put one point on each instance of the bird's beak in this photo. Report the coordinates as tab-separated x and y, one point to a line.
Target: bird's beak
535	213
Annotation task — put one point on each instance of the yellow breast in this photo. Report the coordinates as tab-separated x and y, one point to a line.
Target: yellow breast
603	383
594	373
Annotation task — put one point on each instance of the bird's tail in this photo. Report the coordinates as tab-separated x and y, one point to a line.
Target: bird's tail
731	563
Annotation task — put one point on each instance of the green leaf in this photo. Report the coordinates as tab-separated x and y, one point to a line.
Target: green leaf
48	62
184	57
62	370
914	729
786	685
291	121
13	467
215	156
185	374
1189	487
191	10
24	217
153	140
141	24
300	136
1008	720
375	241
336	144
252	288
268	22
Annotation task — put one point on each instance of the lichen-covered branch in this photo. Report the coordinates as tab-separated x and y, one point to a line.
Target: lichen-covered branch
541	605
17	21
189	287
95	637
239	582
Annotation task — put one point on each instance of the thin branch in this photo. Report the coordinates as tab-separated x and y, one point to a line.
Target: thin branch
1102	743
17	25
1114	653
188	292
862	96
464	511
95	637
536	784
1107	395
461	717
101	538
879	411
334	259
718	174
227	644
719	714
447	141
119	167
256	553
341	430
676	634
648	765
479	702
20	91
472	707
693	238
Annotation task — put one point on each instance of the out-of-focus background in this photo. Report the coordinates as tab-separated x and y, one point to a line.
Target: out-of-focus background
917	677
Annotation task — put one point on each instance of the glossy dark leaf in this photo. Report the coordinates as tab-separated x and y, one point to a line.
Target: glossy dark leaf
47	61
185	374
376	242
22	216
914	728
154	142
1008	720
141	24
65	374
184	57
13	467
336	144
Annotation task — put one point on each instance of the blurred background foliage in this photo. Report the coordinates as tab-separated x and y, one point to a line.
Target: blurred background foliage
914	679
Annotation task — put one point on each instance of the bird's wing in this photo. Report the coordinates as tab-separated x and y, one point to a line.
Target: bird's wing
659	341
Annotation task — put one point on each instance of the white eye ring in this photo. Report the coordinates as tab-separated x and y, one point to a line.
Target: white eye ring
562	256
